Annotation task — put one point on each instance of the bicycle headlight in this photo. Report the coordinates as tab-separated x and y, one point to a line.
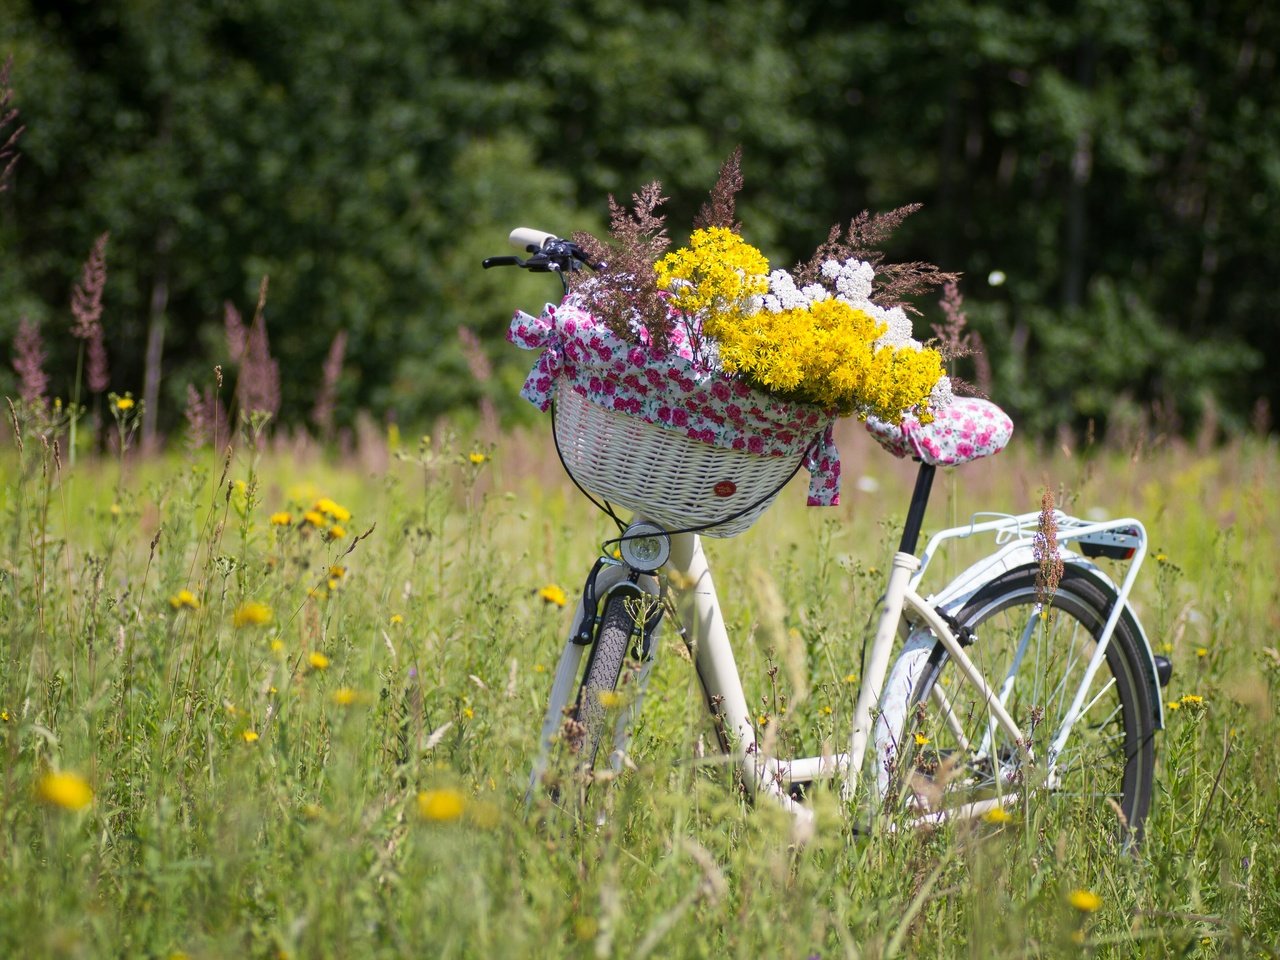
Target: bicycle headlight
645	546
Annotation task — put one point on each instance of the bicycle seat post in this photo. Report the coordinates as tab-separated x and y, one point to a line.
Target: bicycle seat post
915	513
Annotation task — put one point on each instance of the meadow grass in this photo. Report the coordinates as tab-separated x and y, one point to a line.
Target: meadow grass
321	748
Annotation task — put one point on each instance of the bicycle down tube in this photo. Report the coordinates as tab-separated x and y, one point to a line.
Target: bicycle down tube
722	684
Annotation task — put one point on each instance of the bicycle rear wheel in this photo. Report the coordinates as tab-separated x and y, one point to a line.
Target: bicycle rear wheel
1035	659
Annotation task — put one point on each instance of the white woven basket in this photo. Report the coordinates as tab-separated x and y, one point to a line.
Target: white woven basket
662	474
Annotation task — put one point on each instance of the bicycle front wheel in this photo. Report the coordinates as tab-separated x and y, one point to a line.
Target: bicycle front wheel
599	700
1035	657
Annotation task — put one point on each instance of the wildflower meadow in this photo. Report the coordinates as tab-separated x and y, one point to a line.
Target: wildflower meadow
257	700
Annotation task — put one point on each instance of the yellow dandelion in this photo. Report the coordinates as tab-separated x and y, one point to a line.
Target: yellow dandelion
1202	651
4	716
345	696
124	403
67	790
997	815
442	805
468	713
553	594
850	678
396	620
332	510
313	518
251	614
921	739
318	660
826	710
1086	901
184	599
337	532
249	736
477	457
281	518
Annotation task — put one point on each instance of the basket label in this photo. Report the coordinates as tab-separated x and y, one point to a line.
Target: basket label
725	488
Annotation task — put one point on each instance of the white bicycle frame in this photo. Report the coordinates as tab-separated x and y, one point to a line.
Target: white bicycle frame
880	711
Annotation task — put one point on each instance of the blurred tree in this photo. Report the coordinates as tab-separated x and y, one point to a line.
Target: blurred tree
1105	174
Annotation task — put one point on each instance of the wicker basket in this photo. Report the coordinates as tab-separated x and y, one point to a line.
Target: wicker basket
663	475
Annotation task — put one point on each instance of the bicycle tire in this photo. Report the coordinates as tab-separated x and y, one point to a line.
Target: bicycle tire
604	668
1109	758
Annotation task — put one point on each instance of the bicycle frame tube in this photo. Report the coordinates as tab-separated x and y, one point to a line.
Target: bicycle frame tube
718	672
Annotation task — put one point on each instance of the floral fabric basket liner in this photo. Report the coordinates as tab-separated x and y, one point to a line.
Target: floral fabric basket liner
669	389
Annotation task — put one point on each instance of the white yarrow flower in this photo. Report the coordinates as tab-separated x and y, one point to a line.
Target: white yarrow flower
941	395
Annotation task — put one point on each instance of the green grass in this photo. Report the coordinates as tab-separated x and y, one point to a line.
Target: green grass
309	841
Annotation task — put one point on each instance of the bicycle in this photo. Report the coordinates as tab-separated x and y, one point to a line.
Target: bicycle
1004	685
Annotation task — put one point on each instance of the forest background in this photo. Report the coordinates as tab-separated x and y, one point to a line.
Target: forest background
1105	175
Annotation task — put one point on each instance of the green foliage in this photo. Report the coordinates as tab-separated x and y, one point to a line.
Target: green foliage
1111	161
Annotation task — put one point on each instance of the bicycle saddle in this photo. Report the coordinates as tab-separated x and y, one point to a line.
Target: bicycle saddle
964	430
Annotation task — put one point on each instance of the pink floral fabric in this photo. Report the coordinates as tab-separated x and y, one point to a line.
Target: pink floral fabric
671	390
964	430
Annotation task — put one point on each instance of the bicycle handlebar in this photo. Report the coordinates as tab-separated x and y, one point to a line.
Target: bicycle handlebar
549	253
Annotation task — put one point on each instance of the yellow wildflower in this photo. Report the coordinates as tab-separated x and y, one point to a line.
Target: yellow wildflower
249	736
1193	700
277	645
251	614
184	598
1202	651
921	739
718	273
609	698
67	790
1173	705
1086	901
337	532
318	660
850	678
345	696
553	594
997	815
281	518
468	713
396	620
332	510
477	457
539	668
442	805
124	403
826	709
337	572
313	517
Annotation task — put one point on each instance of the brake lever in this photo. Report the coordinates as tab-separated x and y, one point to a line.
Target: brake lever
502	262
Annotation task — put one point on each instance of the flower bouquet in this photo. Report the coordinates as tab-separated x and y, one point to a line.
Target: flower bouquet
690	385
